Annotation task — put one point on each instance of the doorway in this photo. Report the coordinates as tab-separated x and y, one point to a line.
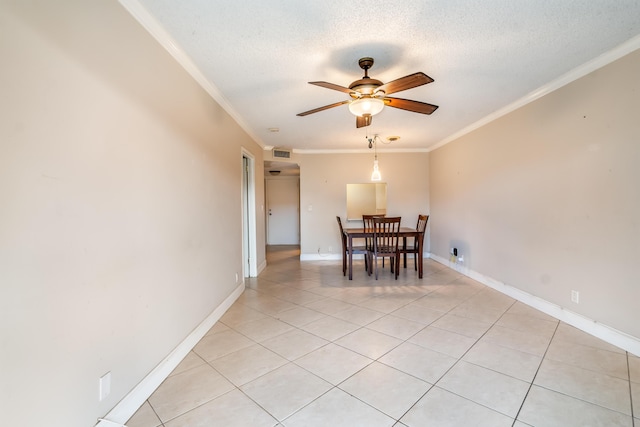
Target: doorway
249	250
283	210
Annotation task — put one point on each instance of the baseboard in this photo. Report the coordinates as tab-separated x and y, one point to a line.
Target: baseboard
325	257
141	392
261	267
606	333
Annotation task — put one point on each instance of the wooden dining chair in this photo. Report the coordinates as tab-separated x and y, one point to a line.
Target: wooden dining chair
367	226
345	249
385	244
414	249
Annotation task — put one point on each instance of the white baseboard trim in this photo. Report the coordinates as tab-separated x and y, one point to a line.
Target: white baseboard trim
261	267
606	333
141	392
325	257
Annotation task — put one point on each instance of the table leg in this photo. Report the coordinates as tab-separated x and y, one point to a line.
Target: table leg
419	255
404	250
350	240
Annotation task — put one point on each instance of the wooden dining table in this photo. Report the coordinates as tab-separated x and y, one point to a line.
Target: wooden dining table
359	233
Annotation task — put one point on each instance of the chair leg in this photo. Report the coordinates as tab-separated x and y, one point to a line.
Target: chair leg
375	260
344	263
397	264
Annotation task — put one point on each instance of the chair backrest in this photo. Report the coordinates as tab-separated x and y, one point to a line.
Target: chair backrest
421	227
343	238
385	233
422	223
367	224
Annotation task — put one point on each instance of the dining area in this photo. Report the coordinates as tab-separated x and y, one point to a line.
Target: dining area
383	238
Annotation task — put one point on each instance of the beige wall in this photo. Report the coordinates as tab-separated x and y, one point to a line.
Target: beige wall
547	198
323	186
120	210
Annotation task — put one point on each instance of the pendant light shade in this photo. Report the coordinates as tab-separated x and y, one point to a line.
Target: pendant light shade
375	175
366	105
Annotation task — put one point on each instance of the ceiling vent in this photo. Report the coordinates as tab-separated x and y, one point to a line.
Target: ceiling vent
281	153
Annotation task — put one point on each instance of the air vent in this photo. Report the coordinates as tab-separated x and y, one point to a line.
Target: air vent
283	154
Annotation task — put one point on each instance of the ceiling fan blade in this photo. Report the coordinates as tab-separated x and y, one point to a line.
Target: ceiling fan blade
326	107
406	82
332	86
363	121
406	104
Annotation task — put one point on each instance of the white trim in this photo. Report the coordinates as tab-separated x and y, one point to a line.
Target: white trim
571	76
590	326
141	392
360	150
158	32
261	267
326	257
249	211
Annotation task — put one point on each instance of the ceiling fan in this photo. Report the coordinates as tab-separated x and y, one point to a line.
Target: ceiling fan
369	96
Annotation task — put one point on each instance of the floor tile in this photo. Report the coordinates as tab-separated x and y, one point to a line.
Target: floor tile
422	363
286	390
494	390
462	325
338	409
359	315
183	392
300	316
603	390
263	329
634	368
450	343
333	363
330	328
391	391
247	364
547	408
294	344
528	343
516	364
590	358
240	313
328	306
144	417
369	343
635	398
528	324
217	345
233	409
418	313
191	360
571	334
440	408
396	327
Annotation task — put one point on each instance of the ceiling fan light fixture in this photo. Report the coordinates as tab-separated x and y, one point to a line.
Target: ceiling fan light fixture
366	105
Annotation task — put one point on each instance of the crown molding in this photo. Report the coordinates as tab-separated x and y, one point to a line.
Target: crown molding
158	32
569	77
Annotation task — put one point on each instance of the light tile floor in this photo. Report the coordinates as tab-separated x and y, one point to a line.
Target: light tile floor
304	346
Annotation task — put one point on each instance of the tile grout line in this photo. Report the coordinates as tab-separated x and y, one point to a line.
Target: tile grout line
536	374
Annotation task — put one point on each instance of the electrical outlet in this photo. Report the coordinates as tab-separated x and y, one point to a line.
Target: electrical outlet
330	249
575	297
104	386
461	258
236	277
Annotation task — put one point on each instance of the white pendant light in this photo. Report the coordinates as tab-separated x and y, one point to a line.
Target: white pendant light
375	175
366	105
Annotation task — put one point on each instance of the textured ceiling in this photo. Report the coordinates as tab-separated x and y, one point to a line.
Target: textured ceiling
483	55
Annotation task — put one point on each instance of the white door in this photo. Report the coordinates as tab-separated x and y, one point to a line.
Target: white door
283	214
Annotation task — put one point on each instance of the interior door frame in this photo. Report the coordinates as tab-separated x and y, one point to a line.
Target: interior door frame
248	201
